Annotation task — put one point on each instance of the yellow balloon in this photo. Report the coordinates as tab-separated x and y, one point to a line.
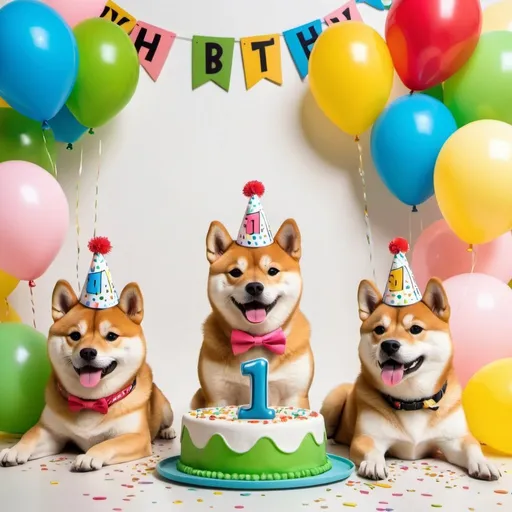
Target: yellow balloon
351	75
7	284
8	313
497	17
487	402
473	181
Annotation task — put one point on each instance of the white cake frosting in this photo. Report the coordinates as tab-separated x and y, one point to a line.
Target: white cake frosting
287	430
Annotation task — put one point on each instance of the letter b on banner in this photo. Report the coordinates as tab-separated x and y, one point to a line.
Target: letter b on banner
212	58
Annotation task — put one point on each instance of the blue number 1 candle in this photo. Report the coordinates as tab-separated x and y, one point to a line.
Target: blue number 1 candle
258	409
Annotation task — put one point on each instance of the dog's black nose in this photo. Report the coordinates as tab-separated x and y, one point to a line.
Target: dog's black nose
390	347
254	289
88	353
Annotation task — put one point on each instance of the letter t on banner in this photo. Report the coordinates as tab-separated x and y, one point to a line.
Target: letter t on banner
153	45
212	58
261	56
347	12
300	41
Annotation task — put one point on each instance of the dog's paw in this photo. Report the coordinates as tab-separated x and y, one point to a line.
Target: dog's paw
13	457
167	433
373	470
483	471
85	463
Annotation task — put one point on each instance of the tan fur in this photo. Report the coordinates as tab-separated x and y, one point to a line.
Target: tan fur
218	369
127	430
357	415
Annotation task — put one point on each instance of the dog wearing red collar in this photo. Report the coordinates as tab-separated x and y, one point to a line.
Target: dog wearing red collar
254	289
101	394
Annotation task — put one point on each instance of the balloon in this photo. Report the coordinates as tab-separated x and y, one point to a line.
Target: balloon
8	284
429	40
34	219
481	89
473	181
8	313
405	142
487	402
497	17
22	138
436	92
438	252
65	127
24	373
351	75
75	11
480	322
38	57
108	72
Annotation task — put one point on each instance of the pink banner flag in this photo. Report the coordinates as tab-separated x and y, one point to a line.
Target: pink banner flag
346	12
153	45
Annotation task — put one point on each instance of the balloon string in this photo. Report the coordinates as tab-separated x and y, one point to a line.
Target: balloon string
473	260
77	218
53	164
31	286
369	239
410	229
97	190
7	308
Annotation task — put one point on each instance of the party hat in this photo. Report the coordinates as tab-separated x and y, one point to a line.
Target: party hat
401	288
255	230
99	291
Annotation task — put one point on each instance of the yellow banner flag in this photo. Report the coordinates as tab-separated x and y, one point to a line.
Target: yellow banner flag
261	56
119	16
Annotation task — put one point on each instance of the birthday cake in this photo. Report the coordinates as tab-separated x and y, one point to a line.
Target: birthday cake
216	443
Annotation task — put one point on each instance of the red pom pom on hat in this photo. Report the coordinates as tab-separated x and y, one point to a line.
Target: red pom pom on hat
100	245
254	188
398	245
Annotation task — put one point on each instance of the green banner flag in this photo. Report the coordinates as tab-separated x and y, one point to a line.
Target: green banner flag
212	58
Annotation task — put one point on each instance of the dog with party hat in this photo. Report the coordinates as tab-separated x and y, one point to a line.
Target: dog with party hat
254	289
100	395
406	401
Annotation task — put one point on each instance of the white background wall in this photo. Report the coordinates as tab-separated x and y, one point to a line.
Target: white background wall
176	159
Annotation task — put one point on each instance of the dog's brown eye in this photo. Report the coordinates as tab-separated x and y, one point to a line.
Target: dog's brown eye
236	272
272	271
379	330
415	329
112	336
75	335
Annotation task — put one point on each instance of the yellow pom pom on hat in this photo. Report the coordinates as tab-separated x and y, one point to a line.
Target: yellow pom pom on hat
254	230
99	291
401	288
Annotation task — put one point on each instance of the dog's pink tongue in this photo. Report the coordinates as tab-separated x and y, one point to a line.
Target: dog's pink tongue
256	316
392	375
90	379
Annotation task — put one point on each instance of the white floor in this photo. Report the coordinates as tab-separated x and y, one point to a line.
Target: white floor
47	484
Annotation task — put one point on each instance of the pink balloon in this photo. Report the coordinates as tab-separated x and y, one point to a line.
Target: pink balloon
438	252
34	219
75	11
480	323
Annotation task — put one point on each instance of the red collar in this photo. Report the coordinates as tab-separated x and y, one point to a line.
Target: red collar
101	405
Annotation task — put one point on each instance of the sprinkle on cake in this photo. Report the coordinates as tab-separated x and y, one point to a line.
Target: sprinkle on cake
230	413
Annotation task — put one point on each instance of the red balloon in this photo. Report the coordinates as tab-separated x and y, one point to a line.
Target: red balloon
429	40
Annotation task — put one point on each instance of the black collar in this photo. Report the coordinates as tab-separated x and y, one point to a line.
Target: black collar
415	405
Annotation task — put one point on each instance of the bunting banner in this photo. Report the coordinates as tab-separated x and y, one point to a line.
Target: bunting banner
212	57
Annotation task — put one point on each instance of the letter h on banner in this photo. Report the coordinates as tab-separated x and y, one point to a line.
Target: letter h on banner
300	41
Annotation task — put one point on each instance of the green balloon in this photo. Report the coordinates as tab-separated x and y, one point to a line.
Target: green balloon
482	88
21	138
435	92
24	373
108	72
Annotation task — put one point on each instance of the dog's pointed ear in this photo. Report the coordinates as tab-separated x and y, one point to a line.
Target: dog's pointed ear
288	238
218	241
368	297
64	299
436	299
131	302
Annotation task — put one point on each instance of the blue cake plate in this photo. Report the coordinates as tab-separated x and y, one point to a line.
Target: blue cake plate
341	470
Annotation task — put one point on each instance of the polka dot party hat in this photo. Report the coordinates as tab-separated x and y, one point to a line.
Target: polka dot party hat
401	288
99	291
255	230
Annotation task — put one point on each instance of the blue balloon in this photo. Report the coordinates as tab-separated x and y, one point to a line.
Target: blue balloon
405	142
38	59
65	127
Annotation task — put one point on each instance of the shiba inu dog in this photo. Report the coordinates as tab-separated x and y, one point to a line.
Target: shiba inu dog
254	288
406	401
101	394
